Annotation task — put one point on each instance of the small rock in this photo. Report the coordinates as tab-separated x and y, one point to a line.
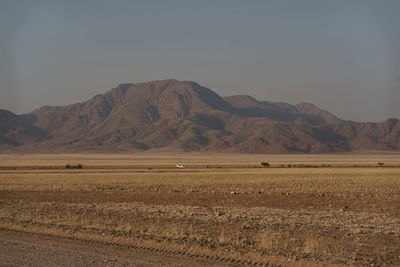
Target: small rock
218	213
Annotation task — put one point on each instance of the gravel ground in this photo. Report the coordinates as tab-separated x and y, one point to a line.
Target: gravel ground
19	249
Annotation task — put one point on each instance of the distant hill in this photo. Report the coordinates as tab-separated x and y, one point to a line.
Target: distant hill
185	116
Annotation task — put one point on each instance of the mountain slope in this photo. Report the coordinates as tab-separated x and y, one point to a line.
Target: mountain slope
175	115
146	115
281	111
17	130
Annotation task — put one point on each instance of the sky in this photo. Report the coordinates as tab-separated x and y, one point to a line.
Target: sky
342	55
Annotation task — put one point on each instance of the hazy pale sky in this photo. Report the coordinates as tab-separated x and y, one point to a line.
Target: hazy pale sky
343	56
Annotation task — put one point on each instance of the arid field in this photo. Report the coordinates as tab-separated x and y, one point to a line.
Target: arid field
222	209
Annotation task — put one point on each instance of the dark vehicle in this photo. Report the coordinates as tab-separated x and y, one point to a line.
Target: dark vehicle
73	166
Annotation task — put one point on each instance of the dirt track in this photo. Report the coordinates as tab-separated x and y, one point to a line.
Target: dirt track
27	249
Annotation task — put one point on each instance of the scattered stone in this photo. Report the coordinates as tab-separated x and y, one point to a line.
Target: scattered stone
219	213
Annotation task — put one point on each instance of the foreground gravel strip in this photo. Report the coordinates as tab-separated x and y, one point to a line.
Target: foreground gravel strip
20	249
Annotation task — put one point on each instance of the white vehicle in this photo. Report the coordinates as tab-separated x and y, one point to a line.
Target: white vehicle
181	166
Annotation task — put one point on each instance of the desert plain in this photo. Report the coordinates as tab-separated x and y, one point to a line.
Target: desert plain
221	210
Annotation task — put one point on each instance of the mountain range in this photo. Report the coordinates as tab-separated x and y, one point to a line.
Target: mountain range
176	115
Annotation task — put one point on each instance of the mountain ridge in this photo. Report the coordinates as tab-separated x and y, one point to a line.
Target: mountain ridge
175	115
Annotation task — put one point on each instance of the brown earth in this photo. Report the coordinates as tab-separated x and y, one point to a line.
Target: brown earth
19	248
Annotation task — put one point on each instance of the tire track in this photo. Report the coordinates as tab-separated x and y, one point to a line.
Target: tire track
185	253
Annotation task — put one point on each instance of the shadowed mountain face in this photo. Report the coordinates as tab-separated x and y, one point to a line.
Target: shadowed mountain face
17	130
250	107
176	115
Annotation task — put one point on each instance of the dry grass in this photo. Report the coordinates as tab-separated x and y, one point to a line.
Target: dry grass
333	215
294	180
195	158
